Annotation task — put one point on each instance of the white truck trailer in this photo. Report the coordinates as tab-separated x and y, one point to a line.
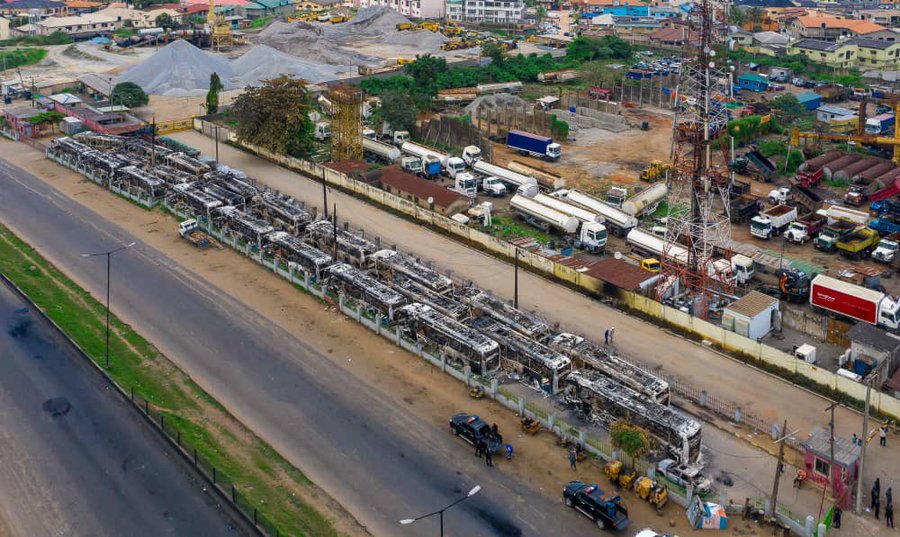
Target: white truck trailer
616	220
515	180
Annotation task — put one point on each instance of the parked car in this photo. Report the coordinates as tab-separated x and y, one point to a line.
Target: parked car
472	428
604	508
683	475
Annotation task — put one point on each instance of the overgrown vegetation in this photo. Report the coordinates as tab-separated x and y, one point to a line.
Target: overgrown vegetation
128	94
56	38
261	22
801	66
631	439
249	464
21	57
275	116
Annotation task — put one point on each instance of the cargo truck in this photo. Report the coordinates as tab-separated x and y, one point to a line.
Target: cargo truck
806	228
649	244
533	144
773	221
884	225
885	207
745	207
837	212
423	152
493	187
765	168
881	124
386	152
886	251
858	244
616	220
854	302
832	233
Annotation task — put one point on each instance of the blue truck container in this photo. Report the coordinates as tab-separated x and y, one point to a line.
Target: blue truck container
431	169
881	124
533	144
809	100
884	226
885	207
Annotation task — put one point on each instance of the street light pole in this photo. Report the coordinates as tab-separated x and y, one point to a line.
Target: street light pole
108	255
440	512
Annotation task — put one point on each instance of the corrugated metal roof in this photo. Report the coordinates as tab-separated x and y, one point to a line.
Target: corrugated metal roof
619	273
752	304
874	337
845	452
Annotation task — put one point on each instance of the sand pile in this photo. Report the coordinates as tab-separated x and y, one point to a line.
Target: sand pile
492	102
333	43
179	70
263	62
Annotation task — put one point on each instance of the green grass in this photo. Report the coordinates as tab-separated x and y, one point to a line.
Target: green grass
507	227
21	57
125	32
137	365
56	38
260	23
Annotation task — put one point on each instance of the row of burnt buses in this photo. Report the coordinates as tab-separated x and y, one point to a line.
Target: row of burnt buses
466	325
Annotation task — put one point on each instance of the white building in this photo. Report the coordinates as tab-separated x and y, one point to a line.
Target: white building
486	11
86	25
417	9
754	315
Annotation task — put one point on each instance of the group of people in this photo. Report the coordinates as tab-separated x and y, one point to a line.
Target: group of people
609	335
888	503
882	437
482	447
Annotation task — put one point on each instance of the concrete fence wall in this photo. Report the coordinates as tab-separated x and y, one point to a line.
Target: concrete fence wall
716	334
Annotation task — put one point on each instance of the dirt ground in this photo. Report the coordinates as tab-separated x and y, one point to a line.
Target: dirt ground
539	462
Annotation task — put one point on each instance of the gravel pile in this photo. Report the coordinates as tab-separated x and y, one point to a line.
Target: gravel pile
263	62
491	102
179	70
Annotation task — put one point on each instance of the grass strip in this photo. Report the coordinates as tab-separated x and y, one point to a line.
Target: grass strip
260	475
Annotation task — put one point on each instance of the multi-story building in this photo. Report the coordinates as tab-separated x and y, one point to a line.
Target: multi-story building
874	54
417	9
486	11
828	27
889	18
859	52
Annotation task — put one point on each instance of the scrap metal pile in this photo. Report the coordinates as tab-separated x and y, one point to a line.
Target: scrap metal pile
463	324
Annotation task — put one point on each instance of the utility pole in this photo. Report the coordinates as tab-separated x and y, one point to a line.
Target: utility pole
831	462
516	280
324	194
865	436
334	231
153	142
778	469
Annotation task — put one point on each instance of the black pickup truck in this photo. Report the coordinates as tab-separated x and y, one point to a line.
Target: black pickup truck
472	429
604	508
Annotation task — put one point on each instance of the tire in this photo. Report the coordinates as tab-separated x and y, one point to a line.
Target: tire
601	524
568	501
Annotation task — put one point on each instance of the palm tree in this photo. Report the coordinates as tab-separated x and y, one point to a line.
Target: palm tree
737	17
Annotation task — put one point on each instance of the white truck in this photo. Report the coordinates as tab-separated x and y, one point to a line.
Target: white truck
616	220
423	152
729	271
772	221
493	187
323	131
471	154
454	166
589	235
886	251
465	184
838	212
385	152
511	178
780	196
854	301
411	164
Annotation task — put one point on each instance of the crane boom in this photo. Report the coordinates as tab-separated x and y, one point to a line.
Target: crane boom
868	139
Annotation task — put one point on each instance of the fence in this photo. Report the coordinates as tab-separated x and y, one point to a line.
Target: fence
716	334
453	133
134	195
164	422
175	125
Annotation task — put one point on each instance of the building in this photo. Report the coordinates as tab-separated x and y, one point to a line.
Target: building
621	275
828	113
18	122
809	100
754	315
37	8
422	192
74	7
890	35
875	54
317	5
418	9
130	17
87	25
837	55
827	27
889	18
269	8
818	463
869	347
674	36
752	82
486	11
4	28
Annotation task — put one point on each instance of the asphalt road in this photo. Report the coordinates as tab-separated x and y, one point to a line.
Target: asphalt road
380	463
96	470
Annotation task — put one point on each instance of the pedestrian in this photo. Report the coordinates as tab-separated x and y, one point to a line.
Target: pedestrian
836	520
488	458
877	507
874	495
889	496
854	439
495	431
882	433
573	459
479	448
606	337
612	335
889	515
509	452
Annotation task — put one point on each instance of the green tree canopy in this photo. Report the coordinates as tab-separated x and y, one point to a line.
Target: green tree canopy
736	16
128	94
212	96
399	110
275	116
584	48
788	106
495	52
425	71
597	74
164	20
632	440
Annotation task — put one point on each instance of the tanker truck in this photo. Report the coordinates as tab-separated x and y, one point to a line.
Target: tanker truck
589	234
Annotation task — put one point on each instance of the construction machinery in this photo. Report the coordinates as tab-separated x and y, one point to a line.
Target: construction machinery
405	26
864	138
620	474
405	61
190	231
652	491
337	19
219	29
655	171
430	26
452	30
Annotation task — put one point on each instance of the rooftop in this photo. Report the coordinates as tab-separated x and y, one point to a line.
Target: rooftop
418	187
871	43
873	337
770	38
752	304
87	18
754	77
619	273
845	452
829	21
808	96
32	4
819	45
836	110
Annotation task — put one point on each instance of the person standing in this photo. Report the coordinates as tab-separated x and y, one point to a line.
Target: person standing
889	496
836	521
573	459
876	490
882	434
612	335
488	457
606	337
509	452
853	440
877	507
479	447
889	515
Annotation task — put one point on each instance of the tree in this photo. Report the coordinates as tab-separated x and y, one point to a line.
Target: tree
398	110
789	107
495	52
631	439
541	13
212	96
756	15
128	94
737	17
595	74
275	116
425	71
583	48
164	20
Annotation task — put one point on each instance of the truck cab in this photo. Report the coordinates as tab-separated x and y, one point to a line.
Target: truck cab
370	133
780	195
471	154
616	196
742	267
401	137
465	184
412	165
592	237
604	508
886	251
889	313
493	186
554	151
797	232
832	233
455	165
323	131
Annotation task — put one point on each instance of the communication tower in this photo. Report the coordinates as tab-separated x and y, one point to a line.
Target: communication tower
346	126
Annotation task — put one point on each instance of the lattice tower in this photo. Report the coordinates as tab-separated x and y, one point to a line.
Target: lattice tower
346	126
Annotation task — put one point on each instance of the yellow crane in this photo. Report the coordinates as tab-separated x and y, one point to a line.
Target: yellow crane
219	29
868	139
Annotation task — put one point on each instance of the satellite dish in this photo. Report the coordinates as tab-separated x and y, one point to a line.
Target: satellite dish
430	200
617	255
